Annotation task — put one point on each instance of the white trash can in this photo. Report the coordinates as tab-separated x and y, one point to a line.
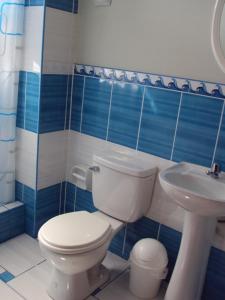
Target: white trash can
148	261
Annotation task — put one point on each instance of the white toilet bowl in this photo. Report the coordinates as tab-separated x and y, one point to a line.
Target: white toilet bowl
75	244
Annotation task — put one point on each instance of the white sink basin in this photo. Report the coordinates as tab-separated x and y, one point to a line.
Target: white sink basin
203	198
195	191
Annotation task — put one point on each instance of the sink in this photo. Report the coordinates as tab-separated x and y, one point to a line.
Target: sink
203	199
191	188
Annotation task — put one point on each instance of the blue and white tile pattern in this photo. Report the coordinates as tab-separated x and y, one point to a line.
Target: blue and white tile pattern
173	118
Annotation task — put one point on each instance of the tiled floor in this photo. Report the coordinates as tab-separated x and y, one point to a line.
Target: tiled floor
24	273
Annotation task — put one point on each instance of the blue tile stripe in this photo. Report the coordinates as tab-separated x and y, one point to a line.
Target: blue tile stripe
11	223
28	101
34	2
40	206
53	102
66	5
155	80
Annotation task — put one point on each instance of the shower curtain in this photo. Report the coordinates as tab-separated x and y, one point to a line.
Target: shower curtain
11	45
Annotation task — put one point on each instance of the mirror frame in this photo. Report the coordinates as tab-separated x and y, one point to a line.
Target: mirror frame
215	34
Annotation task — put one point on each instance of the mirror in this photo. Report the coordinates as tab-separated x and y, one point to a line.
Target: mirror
218	33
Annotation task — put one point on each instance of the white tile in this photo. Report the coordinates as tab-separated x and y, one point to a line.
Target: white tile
26	141
6	293
26	157
3	209
34	17
20	254
119	289
52	158
2	270
81	149
32	284
13	205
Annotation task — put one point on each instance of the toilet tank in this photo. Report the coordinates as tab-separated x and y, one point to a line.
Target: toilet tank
122	185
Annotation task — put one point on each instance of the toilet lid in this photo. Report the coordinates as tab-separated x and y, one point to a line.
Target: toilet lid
77	231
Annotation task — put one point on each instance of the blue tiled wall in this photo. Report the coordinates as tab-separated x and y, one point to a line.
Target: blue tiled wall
34	2
179	125
28	101
166	122
214	288
47	204
49	92
65	5
40	206
54	89
158	122
11	223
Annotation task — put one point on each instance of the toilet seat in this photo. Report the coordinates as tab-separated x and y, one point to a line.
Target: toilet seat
76	232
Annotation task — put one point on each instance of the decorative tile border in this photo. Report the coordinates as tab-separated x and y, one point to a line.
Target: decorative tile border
155	80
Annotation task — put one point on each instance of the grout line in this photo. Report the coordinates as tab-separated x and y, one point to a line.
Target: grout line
71	102
82	105
175	132
113	279
65	197
218	134
158	233
25	102
60	198
75	199
124	240
153	87
109	113
67	99
13	289
73	7
140	121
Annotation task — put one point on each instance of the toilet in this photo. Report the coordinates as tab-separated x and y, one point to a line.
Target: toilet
76	243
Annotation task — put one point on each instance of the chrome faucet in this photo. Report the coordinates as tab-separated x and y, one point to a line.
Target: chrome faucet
214	171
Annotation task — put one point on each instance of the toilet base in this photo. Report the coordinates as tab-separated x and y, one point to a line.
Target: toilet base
77	286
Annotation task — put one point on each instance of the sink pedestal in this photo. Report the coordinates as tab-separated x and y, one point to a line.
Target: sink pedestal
189	273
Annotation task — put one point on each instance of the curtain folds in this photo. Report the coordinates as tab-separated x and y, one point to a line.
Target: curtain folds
11	46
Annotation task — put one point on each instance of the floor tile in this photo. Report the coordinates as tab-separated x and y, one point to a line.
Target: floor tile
2	270
119	289
20	254
6	277
7	293
32	284
115	264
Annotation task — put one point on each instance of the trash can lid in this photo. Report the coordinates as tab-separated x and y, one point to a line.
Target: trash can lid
150	254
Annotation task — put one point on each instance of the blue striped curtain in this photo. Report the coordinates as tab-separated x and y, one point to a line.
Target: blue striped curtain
11	42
